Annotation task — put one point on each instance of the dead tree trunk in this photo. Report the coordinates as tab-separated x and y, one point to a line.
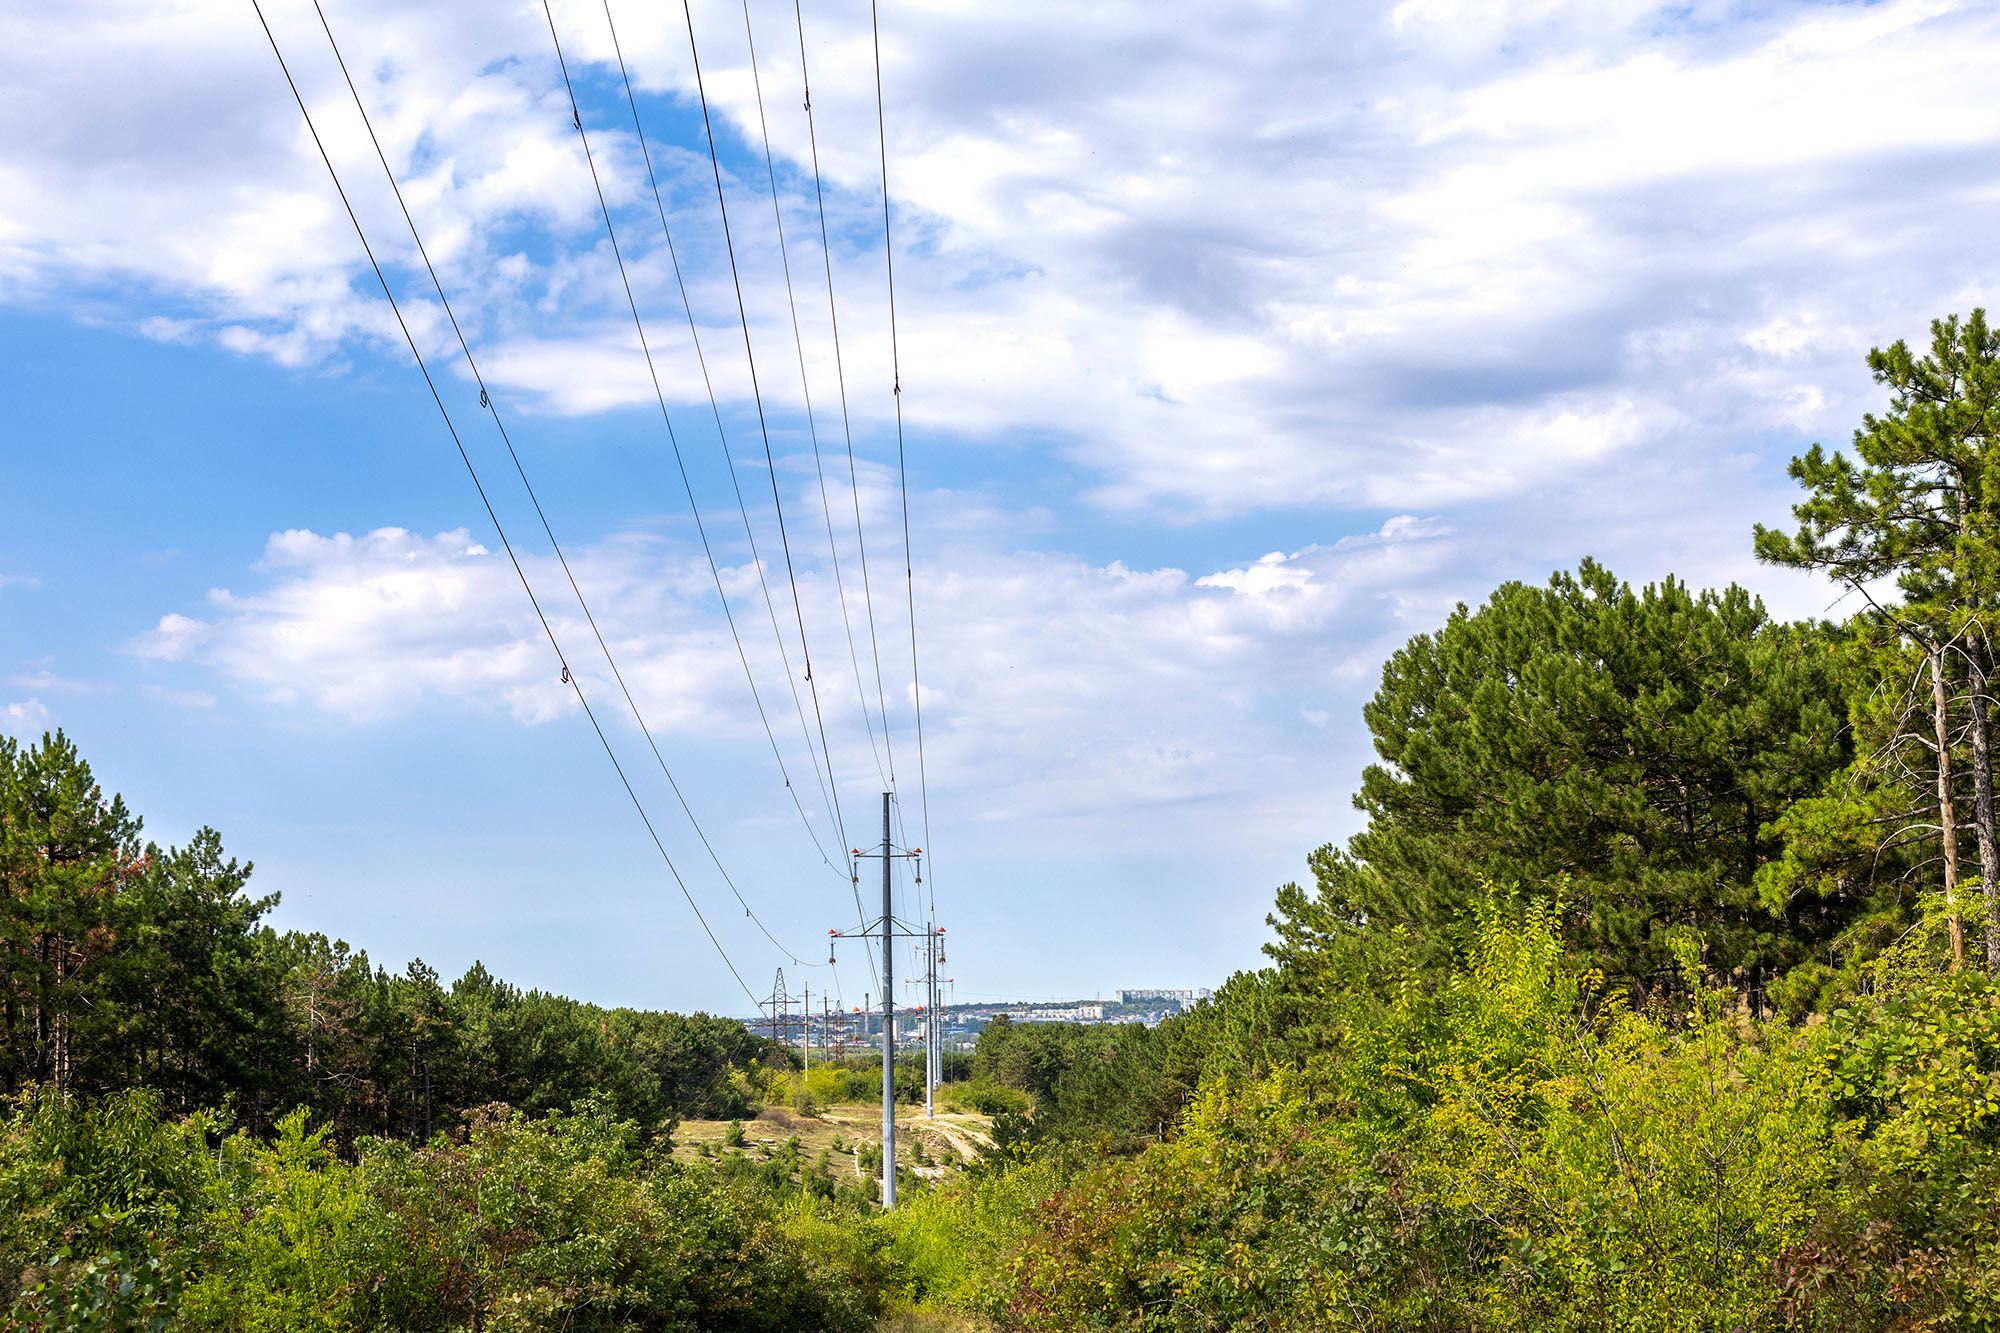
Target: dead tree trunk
1947	808
1982	796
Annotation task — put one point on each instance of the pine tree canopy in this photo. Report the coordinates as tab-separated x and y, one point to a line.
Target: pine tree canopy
1633	746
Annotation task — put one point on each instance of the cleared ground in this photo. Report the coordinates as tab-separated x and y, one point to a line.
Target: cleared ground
947	1141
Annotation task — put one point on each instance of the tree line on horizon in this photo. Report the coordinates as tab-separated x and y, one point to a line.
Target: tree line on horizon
127	964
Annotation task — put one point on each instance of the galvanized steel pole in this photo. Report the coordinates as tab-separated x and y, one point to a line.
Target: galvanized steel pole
888	1023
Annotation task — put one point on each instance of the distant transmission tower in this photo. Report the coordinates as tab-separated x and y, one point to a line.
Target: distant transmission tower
779	1008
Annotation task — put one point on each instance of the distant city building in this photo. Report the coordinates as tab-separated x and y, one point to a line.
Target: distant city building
1141	996
1075	1013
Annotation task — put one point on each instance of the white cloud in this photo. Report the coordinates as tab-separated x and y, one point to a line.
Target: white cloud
1224	258
368	626
1050	683
26	718
49	682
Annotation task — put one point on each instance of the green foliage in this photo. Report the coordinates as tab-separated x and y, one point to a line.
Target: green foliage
1636	743
986	1097
286	1249
810	1092
1084	1083
568	1220
95	1179
1915	505
112	1292
1918	1068
952	1246
1506	1150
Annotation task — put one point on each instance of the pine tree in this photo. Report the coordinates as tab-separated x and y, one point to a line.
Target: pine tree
1632	746
66	851
1918	509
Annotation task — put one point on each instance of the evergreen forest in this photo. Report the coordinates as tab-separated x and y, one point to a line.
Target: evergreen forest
1657	991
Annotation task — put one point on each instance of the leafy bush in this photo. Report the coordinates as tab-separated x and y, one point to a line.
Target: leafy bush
94	1180
113	1292
1499	1151
286	1248
952	1245
987	1097
567	1222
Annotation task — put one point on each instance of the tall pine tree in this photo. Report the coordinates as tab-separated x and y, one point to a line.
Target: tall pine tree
1634	745
1916	507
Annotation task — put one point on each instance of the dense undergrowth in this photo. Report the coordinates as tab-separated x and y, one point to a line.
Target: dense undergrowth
1519	1148
563	1222
1512	1146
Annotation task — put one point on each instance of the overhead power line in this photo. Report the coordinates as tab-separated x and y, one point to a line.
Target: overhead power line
805	385
763	425
694	335
666	417
569	677
492	405
902	471
846	424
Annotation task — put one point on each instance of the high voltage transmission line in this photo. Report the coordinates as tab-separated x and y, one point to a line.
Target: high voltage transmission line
666	231
763	426
694	333
821	756
568	677
491	404
896	388
805	386
840	371
659	393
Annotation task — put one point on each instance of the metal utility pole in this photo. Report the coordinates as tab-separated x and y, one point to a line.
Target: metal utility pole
888	1023
937	1004
930	1024
806	1027
889	934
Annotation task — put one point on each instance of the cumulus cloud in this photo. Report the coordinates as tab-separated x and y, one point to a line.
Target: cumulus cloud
1052	683
1224	258
26	718
369	626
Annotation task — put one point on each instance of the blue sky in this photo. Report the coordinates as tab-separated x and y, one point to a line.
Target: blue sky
1238	344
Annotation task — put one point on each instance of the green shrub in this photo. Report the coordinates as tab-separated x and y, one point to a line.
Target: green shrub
952	1245
1496	1152
285	1250
113	1292
113	1176
986	1097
